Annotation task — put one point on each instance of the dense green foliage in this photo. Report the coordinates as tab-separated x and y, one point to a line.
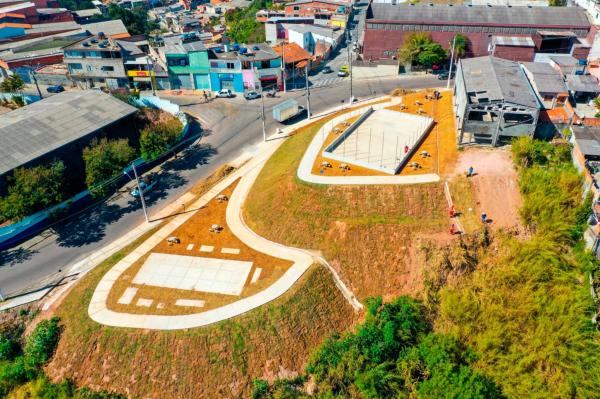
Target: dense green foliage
12	84
526	310
393	354
21	373
557	3
461	46
103	160
419	48
156	139
242	26
32	189
75	5
136	20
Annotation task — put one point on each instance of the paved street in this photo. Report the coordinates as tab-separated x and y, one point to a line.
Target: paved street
232	126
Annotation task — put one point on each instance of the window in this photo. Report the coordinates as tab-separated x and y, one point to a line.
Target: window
90	68
94	54
214	64
73	54
296	8
265	64
108	68
75	67
230	65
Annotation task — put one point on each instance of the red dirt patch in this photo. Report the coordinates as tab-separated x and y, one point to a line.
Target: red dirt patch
495	184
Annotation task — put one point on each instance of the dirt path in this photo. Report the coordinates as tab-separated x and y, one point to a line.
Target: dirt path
495	184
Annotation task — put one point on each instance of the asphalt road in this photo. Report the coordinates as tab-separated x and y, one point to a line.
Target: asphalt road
231	126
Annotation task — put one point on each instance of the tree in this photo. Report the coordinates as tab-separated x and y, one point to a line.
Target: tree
461	46
42	342
33	189
105	159
75	5
14	84
557	3
421	49
136	20
157	139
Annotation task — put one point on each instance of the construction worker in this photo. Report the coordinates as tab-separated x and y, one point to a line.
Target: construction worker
483	217
470	171
452	230
451	211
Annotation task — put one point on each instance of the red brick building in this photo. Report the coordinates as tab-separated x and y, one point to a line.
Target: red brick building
319	9
552	29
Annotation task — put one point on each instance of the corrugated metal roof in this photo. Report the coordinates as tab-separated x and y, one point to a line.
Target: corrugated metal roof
516	41
496	15
583	83
498	80
36	129
546	79
587	138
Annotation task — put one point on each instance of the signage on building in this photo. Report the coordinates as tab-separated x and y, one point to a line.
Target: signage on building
139	74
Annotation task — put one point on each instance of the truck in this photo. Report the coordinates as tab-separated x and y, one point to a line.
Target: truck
286	110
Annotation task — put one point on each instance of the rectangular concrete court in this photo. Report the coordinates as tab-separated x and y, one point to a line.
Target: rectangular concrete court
379	142
221	276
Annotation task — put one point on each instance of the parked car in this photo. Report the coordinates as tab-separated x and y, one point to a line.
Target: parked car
145	186
224	93
344	71
251	95
55	89
444	76
327	69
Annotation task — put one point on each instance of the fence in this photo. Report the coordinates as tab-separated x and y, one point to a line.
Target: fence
17	232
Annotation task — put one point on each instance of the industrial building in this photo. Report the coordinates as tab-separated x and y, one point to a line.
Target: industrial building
58	127
552	29
494	101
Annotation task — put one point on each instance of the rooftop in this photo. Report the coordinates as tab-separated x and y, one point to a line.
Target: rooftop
36	129
253	52
90	12
175	45
515	41
583	83
587	139
498	80
53	27
504	15
109	28
292	53
319	30
546	79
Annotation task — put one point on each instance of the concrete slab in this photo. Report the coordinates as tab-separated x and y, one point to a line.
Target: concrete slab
256	275
232	251
196	303
144	302
127	296
23	299
220	276
207	248
190	247
381	141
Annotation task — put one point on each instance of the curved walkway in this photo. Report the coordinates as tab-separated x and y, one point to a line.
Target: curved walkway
308	160
100	313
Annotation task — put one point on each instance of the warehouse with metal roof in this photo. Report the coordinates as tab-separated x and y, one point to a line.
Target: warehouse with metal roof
55	126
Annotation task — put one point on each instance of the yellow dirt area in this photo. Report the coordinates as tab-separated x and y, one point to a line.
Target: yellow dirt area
196	231
440	142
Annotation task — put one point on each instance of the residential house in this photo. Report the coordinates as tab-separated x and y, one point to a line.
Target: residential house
275	27
295	59
321	10
308	36
494	101
186	60
241	68
97	61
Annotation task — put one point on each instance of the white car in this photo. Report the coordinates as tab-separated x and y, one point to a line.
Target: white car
224	93
251	95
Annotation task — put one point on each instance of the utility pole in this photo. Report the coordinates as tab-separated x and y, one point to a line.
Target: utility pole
307	92
350	71
137	180
283	65
36	83
262	102
451	62
150	74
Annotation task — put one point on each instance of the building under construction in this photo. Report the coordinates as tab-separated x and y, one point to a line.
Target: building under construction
494	101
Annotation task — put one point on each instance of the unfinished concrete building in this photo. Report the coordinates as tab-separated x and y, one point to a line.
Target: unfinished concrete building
493	101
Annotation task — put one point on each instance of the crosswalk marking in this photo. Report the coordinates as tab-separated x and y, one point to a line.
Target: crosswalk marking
326	82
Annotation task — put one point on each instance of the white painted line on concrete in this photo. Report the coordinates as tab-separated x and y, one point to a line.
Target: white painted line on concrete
144	302
127	296
160	306
190	247
232	251
206	248
256	275
196	303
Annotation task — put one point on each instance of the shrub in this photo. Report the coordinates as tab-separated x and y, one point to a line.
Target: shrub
42	342
9	348
157	139
103	160
33	189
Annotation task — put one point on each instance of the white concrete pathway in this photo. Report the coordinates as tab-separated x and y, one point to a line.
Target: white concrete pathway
308	160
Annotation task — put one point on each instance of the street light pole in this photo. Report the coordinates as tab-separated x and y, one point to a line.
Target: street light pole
283	65
150	74
451	62
307	91
137	180
350	71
